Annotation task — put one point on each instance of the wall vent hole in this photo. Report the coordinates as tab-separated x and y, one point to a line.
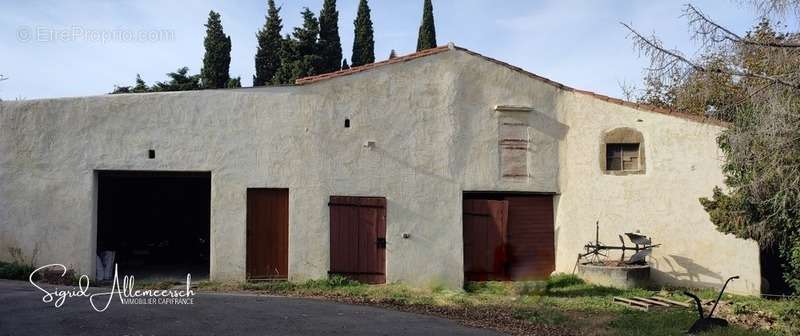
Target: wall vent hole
347	123
151	154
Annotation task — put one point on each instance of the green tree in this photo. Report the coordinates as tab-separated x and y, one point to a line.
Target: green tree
364	43
234	83
268	58
288	55
751	81
427	30
179	80
217	59
345	66
330	45
300	52
140	86
392	54
121	89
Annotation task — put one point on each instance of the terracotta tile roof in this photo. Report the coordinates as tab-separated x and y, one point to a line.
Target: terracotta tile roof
406	58
445	48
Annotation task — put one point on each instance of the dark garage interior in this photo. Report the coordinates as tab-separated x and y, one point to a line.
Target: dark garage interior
156	223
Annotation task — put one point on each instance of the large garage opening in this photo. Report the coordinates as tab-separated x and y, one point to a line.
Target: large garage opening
154	225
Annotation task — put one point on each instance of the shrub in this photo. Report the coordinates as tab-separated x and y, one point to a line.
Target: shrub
791	318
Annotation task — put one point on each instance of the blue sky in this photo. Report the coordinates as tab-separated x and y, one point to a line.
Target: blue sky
56	48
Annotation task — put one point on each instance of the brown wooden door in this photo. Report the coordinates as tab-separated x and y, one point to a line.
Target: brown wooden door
530	237
358	238
485	232
267	233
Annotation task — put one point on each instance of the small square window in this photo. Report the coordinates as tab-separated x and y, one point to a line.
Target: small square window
622	157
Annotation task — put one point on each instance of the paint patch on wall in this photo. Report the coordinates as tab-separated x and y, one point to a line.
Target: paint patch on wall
514	143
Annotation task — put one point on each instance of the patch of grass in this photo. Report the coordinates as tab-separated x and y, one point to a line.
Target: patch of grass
16	271
563	280
488	288
667	323
541	315
563	301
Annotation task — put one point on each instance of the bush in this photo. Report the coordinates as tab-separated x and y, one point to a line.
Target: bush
791	254
791	319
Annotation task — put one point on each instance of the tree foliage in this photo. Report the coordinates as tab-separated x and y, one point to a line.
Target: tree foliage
140	85
330	45
751	81
217	59
300	52
363	43
427	29
268	58
234	83
180	80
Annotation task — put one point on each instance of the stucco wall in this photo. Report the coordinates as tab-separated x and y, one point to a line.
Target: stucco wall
566	128
270	137
683	164
435	133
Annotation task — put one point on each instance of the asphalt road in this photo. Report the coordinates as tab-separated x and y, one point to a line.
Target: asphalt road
22	312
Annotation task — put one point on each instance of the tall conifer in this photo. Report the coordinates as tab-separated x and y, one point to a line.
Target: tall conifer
330	45
427	30
364	43
217	59
268	58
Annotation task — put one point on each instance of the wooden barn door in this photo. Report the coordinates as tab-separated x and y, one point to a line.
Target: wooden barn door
358	238
530	237
267	234
485	232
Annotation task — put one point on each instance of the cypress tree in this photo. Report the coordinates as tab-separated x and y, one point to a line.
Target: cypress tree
300	52
330	45
427	30
268	58
345	66
392	54
217	60
288	57
310	61
364	43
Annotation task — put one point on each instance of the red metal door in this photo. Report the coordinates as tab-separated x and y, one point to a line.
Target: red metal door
485	232
267	233
358	238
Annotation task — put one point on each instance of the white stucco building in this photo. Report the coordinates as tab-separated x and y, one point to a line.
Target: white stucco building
284	180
